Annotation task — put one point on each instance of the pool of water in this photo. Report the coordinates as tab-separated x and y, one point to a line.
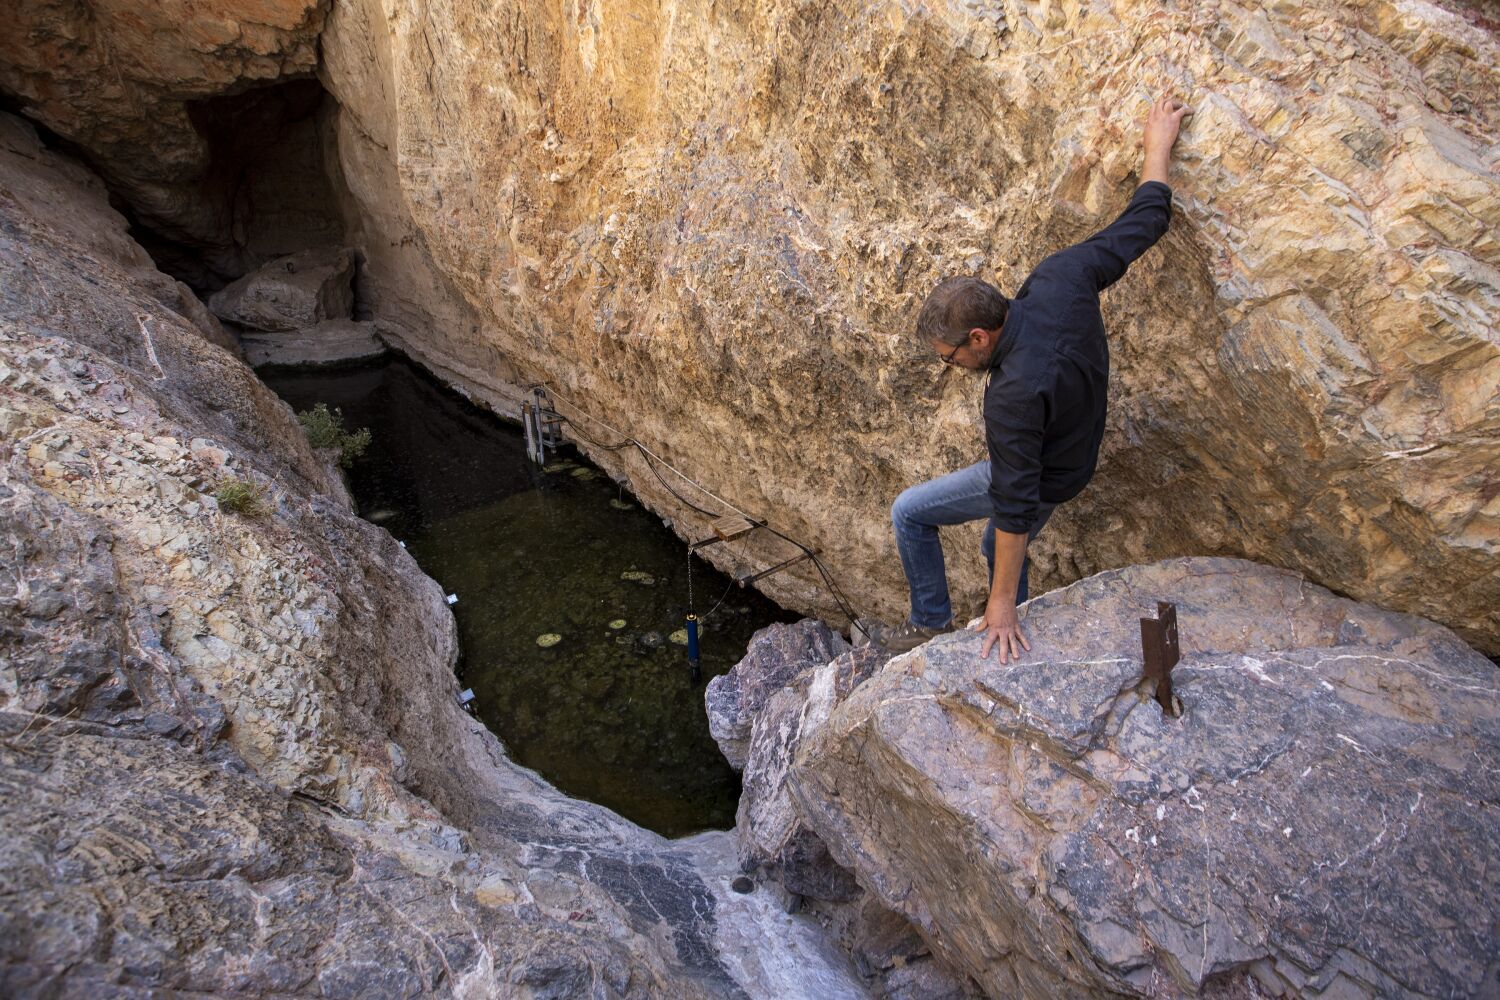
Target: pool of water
569	593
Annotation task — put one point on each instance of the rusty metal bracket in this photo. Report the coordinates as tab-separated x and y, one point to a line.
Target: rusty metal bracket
752	577
1160	651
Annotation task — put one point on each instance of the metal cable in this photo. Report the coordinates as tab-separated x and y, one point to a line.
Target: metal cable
717	604
652	459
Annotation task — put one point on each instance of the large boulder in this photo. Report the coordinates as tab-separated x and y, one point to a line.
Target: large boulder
778	656
294	292
1321	819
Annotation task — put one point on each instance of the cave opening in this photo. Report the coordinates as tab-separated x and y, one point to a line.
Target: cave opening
270	187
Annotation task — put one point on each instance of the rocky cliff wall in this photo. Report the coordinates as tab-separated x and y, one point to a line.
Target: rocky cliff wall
712	224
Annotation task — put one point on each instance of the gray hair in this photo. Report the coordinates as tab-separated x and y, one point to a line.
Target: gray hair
958	305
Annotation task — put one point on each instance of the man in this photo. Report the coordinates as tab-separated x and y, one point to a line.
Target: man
1044	405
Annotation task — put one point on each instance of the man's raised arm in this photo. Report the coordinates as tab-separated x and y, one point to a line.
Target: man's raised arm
1105	255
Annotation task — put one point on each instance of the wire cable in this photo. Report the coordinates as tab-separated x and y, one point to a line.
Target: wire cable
722	597
652	460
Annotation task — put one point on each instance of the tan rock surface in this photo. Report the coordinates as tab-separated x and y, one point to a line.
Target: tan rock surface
291	293
712	225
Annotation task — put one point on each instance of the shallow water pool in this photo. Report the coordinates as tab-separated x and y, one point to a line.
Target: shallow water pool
569	593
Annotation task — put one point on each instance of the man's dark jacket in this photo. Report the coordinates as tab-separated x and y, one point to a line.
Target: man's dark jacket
1048	386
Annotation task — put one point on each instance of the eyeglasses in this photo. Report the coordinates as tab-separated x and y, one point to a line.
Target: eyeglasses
948	358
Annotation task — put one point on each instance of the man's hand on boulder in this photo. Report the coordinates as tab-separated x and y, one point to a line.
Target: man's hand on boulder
1002	629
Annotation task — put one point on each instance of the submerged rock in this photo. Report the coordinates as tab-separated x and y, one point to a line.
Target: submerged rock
334	341
547	639
1321	819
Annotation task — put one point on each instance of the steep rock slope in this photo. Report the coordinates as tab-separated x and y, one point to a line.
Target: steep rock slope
231	755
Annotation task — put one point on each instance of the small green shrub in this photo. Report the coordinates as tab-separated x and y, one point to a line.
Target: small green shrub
325	429
242	496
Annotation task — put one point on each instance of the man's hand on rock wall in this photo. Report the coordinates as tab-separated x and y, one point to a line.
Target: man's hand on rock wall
1162	125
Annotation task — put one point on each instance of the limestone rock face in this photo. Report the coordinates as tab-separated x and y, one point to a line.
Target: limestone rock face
712	225
778	656
232	760
1319	819
291	293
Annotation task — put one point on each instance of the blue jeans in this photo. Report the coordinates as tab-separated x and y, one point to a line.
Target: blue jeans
956	498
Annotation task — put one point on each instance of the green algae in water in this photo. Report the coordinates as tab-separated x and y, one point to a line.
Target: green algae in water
608	713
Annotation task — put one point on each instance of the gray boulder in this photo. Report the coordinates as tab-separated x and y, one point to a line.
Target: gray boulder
291	293
772	836
778	656
1321	821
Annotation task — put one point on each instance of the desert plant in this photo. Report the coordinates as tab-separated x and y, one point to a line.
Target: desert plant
325	429
242	496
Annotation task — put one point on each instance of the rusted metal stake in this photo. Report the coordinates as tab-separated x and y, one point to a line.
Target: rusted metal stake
1160	651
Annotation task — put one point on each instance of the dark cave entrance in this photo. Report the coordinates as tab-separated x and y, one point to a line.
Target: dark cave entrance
271	186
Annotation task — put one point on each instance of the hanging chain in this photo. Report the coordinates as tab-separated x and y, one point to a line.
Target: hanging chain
690	579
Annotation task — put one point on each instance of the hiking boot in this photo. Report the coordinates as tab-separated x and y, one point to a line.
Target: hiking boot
907	636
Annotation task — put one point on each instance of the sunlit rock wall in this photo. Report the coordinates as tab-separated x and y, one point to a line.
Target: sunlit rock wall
713	224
